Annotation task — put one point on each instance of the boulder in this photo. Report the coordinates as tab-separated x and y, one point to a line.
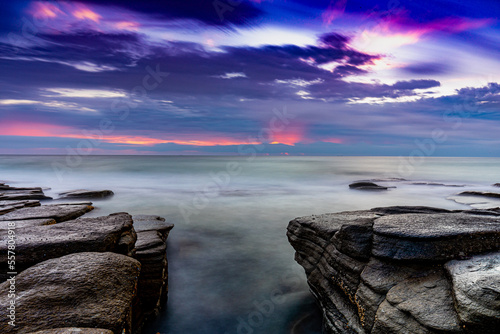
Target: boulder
87	290
366	186
83	193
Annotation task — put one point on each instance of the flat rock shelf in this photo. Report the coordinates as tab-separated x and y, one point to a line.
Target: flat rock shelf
104	275
403	269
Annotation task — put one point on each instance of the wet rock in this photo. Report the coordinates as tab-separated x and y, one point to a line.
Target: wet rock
59	213
366	186
393	210
88	290
437	184
476	289
83	193
480	193
496	185
35	244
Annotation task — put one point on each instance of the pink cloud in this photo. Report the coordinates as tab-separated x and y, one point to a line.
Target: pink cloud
84	13
44	10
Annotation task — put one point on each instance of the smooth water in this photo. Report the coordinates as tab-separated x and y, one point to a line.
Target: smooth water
231	268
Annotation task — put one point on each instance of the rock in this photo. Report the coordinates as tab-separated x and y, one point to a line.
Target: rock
437	184
83	193
88	290
393	210
476	289
35	244
6	224
151	246
13	193
496	185
383	270
73	330
428	299
390	320
20	204
366	186
480	193
59	213
434	237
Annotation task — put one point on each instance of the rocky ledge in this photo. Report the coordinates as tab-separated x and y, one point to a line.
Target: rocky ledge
403	269
74	274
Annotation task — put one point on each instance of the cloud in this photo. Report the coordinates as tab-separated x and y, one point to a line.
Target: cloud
214	13
427	68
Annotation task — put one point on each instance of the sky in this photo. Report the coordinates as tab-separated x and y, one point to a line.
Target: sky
271	77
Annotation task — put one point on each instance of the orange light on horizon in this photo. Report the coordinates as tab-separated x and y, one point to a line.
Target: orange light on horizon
33	129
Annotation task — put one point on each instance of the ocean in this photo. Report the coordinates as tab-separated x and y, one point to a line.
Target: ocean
231	268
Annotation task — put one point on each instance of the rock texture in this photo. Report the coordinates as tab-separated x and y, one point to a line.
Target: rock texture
151	246
12	193
403	269
59	213
93	290
35	244
83	193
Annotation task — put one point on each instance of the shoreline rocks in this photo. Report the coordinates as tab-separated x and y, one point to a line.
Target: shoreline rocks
480	193
85	194
364	185
402	269
89	275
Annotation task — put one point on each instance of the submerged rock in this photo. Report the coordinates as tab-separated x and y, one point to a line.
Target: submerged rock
383	270
88	290
366	186
83	193
480	193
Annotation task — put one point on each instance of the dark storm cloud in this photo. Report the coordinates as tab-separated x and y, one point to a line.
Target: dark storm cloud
211	12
